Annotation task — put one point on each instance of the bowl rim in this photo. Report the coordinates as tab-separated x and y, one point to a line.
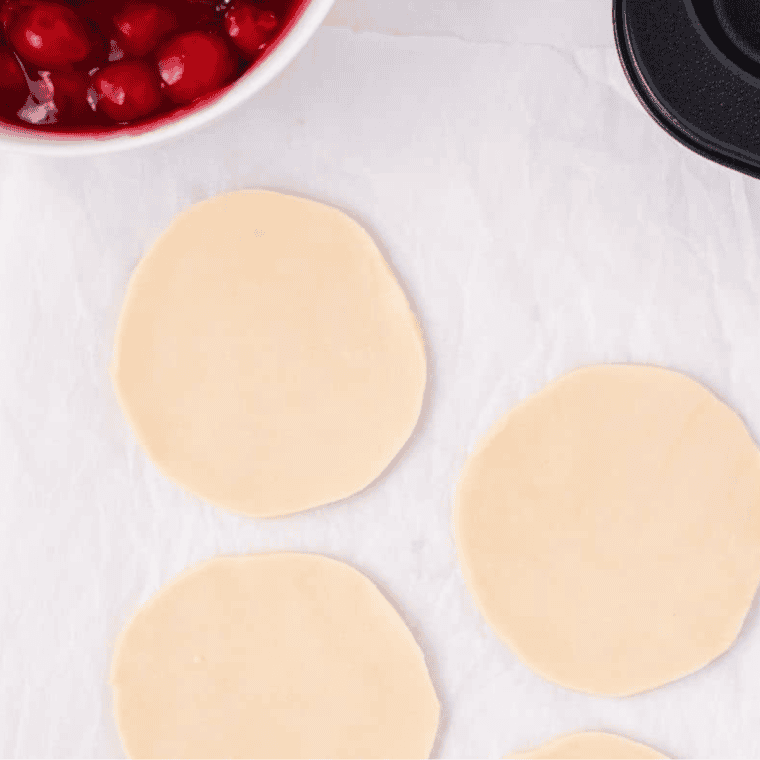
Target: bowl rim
284	52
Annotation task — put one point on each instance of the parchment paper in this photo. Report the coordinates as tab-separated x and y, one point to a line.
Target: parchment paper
538	219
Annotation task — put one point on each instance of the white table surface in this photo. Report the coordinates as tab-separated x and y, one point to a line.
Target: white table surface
537	218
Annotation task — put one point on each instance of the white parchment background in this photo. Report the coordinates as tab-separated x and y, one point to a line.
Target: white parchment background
538	220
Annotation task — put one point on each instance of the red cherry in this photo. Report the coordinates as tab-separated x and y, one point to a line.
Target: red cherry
249	27
68	91
194	64
140	27
49	35
11	76
127	90
8	12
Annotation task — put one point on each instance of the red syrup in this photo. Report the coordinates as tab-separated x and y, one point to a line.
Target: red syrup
86	68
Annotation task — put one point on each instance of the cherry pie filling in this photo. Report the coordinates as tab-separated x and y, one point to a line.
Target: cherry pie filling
88	66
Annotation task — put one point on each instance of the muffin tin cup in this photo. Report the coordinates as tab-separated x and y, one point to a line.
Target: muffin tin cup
695	67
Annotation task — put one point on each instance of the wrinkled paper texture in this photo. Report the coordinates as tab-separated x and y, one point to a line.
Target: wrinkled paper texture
538	220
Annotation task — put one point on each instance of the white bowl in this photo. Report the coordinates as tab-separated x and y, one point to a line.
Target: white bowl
29	141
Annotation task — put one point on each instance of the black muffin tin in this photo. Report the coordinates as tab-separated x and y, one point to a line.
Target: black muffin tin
695	66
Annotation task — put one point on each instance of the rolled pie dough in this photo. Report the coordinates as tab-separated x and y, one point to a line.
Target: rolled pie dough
609	528
274	656
591	745
266	357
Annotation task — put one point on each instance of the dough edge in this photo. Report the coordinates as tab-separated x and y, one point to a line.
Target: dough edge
485	441
203	565
139	273
555	746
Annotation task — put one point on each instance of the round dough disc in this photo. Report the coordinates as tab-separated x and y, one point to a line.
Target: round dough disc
275	656
266	357
592	745
609	528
